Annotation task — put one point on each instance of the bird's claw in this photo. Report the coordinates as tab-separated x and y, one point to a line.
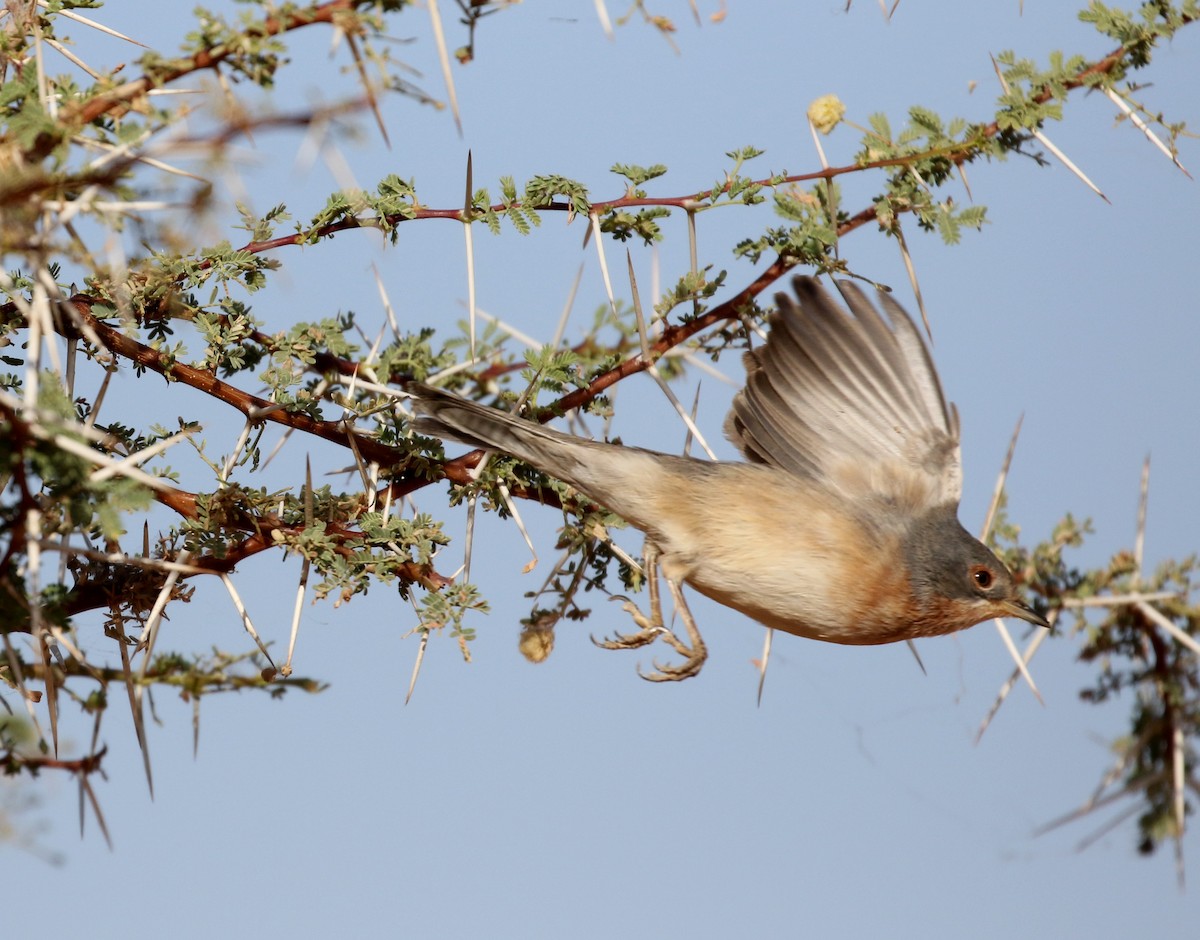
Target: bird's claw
652	628
651	624
648	633
693	662
628	641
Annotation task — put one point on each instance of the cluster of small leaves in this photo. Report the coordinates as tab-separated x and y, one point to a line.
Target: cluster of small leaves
611	335
522	209
732	334
1138	34
1034	95
248	50
1042	568
585	533
812	237
927	148
262	227
420	536
18	285
304	341
624	224
348	547
523	218
553	370
220	517
393	201
202	675
226	334
28	124
1151	768
642	224
349	564
541	190
72	504
637	175
449	607
295	353
738	188
491	340
413	356
693	288
221	264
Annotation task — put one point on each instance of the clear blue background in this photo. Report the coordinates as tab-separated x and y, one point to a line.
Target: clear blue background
572	798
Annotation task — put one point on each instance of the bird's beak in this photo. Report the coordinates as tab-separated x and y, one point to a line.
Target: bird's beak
1023	612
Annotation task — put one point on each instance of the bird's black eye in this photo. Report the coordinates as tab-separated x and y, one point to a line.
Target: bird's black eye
983	577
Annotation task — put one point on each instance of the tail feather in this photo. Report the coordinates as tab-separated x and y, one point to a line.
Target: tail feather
443	414
634	483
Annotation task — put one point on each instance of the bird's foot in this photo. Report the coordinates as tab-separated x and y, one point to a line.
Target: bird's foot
693	659
693	655
649	632
652	628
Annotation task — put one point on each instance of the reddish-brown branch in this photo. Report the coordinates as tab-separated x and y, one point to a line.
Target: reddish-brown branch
694	200
253	407
327	12
90	596
95	594
121	98
80	765
958	155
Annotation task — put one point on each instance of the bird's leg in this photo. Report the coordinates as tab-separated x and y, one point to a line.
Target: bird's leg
693	656
652	628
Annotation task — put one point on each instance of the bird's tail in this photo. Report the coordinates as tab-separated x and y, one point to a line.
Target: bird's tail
443	414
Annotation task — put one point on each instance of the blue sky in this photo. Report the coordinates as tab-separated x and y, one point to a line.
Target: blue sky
572	798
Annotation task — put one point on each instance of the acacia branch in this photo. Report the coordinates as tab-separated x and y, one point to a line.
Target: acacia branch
958	154
13	762
251	406
118	100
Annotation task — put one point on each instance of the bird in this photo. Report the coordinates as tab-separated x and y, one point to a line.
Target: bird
841	525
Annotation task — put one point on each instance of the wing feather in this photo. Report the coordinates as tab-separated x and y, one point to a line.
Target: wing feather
840	389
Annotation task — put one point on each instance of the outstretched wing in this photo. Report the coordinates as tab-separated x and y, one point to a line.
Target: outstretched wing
848	399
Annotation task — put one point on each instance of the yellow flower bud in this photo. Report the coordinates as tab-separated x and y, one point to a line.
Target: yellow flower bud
537	641
826	113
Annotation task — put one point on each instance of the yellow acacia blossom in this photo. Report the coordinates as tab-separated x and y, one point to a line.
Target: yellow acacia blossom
826	113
